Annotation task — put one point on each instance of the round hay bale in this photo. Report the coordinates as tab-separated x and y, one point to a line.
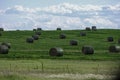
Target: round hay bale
30	40
38	32
59	29
4	49
62	36
94	28
1	29
73	42
56	51
17	30
87	50
82	34
110	39
34	29
6	44
88	29
118	41
0	34
35	37
39	29
114	48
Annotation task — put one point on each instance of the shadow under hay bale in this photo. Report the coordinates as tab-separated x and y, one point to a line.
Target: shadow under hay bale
82	33
38	32
87	29
114	48
35	37
56	51
4	49
110	39
1	29
59	29
6	44
62	36
30	40
73	42
87	50
94	28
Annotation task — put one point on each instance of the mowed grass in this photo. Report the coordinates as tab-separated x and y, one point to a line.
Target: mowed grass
27	61
40	48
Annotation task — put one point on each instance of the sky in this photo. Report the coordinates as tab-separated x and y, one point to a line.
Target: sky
66	14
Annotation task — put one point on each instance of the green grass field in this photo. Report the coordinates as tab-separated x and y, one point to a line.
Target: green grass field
32	61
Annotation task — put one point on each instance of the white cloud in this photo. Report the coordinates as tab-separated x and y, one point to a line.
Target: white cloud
19	10
66	15
101	22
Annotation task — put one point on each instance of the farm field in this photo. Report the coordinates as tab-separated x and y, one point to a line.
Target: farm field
31	61
45	69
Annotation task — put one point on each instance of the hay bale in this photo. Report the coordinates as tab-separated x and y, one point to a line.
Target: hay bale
59	29
17	30
56	51
73	42
94	28
114	48
34	29
118	41
87	50
4	49
39	29
6	44
62	36
88	29
1	29
35	37
82	33
38	32
0	34
30	40
110	39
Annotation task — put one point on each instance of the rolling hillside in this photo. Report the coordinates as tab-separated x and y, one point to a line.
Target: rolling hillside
20	49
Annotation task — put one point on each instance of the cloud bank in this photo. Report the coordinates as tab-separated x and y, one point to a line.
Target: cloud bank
65	15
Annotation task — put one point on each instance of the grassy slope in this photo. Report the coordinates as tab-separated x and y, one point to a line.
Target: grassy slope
48	39
71	64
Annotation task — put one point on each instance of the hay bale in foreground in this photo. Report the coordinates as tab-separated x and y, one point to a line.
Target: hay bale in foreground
30	40
82	33
114	48
110	39
87	50
6	44
94	28
62	36
35	37
4	49
73	42
56	51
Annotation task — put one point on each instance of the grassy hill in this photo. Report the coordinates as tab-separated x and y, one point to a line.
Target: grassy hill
31	61
48	39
